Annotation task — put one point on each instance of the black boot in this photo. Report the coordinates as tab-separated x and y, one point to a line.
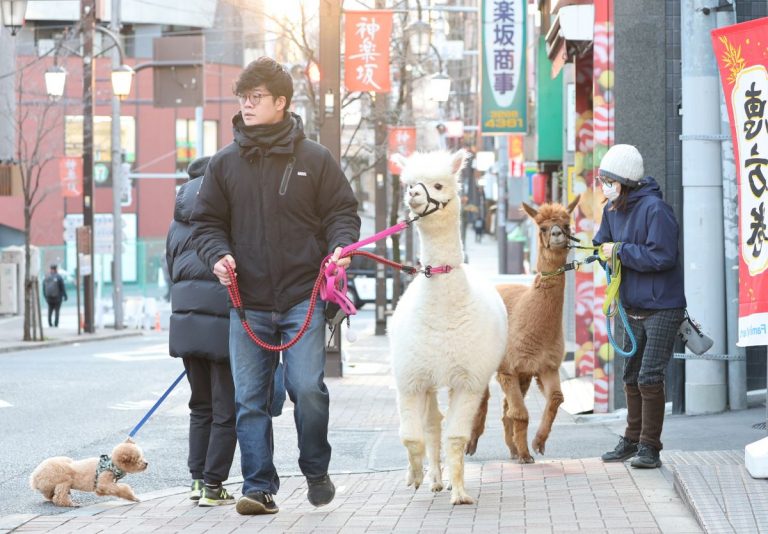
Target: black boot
647	457
625	449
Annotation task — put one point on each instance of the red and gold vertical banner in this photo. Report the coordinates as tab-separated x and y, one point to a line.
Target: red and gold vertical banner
400	140
516	155
583	217
366	50
742	55
71	176
604	373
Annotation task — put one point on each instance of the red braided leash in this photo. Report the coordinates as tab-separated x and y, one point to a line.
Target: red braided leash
339	287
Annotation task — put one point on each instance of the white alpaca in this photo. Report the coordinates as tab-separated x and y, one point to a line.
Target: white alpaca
449	329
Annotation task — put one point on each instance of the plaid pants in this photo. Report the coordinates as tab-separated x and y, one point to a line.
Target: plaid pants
655	336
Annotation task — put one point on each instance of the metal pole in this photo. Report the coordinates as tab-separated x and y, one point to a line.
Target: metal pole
330	126
200	131
117	185
88	19
501	203
705	385
380	141
7	91
737	369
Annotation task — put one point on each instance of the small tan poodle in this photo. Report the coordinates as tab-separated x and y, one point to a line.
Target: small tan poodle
56	476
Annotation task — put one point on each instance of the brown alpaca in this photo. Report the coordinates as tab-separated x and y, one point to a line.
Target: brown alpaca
535	346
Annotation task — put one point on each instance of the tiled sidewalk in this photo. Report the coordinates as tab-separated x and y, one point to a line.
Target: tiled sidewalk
546	497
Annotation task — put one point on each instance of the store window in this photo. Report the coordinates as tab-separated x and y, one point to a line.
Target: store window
186	141
102	143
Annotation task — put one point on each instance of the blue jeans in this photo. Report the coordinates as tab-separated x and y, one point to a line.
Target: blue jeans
253	370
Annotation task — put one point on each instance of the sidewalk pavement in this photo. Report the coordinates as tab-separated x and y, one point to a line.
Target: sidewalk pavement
692	492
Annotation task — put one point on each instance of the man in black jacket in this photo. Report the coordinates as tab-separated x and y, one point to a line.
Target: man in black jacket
54	292
277	203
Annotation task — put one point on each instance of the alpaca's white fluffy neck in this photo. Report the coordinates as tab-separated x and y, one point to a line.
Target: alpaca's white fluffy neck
440	240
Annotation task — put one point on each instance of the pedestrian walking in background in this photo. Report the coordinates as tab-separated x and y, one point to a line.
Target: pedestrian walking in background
54	292
641	229
272	205
479	229
199	334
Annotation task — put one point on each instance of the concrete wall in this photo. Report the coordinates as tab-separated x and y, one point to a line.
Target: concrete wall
640	82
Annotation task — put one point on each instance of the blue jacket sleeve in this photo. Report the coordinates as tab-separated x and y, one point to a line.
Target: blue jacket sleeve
659	252
603	234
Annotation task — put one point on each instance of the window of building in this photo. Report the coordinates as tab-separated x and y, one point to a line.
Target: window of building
102	143
186	141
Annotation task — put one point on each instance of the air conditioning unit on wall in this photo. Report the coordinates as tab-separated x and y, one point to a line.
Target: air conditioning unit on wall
9	303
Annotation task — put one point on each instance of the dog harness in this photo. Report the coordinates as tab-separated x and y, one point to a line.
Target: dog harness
105	464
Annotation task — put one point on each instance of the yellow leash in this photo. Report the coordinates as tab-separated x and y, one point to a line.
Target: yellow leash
612	291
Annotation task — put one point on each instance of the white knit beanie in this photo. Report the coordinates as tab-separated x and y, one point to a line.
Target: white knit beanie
624	164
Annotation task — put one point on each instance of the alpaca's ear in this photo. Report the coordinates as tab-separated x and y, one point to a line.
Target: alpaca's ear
399	160
458	161
129	440
574	203
532	212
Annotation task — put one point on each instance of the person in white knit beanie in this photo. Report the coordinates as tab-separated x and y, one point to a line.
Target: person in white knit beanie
642	231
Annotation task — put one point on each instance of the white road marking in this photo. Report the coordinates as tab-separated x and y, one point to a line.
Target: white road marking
4	404
153	352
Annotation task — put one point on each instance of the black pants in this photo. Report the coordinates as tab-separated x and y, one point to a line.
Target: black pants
212	434
53	311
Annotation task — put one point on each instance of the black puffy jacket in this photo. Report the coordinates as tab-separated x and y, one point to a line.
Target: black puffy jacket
200	319
278	206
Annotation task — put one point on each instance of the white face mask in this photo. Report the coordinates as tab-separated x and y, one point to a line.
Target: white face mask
612	191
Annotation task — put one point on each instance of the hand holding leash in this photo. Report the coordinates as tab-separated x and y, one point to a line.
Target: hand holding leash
222	272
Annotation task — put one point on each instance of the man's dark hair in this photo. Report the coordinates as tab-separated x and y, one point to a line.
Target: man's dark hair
269	73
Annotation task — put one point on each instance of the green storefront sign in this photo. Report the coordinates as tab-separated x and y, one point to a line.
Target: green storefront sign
502	50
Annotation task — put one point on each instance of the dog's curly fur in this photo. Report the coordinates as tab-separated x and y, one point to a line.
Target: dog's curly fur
56	476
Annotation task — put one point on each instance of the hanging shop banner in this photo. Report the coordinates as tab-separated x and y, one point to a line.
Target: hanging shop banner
502	45
401	140
71	176
366	50
742	61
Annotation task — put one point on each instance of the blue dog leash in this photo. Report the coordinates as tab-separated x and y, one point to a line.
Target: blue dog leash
157	404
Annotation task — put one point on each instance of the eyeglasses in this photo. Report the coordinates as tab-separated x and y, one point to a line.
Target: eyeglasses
605	180
253	98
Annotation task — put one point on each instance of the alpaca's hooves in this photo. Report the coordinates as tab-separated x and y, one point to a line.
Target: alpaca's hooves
538	445
461	498
414	479
527	459
471	447
437	487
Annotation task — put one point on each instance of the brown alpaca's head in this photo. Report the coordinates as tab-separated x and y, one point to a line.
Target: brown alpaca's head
129	457
554	223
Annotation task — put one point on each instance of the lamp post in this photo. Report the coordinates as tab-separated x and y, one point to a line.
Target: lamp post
122	76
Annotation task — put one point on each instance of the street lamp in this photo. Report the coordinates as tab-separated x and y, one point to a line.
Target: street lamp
440	87
12	13
418	33
122	76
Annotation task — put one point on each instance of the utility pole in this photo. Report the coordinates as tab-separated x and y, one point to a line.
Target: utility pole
380	142
88	21
117	184
330	125
7	90
737	364
705	387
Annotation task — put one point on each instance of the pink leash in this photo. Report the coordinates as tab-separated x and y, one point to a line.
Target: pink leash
335	287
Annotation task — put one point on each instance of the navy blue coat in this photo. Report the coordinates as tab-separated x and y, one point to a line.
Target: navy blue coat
199	325
651	273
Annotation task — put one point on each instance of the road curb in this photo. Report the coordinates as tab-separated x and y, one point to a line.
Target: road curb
32	345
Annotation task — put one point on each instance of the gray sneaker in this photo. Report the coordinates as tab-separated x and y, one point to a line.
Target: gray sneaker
196	489
215	496
256	503
320	490
647	457
625	449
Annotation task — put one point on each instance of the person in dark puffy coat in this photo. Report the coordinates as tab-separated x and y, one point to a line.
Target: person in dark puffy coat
199	334
641	229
